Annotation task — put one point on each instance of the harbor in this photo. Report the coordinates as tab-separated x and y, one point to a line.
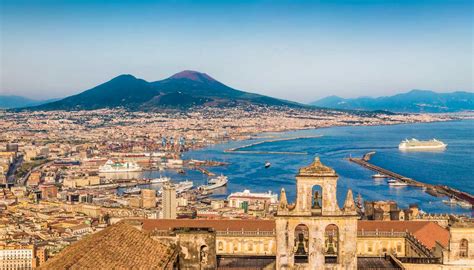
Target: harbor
434	190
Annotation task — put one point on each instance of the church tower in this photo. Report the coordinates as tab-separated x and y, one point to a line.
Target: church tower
314	233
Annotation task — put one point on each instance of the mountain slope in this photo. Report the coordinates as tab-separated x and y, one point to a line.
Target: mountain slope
182	90
413	101
9	102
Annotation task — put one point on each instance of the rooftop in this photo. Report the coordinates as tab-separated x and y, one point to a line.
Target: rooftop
120	246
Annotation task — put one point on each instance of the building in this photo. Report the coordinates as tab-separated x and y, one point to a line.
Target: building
169	202
48	191
237	199
148	198
315	231
13	257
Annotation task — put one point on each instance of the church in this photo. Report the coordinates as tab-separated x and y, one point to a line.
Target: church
311	233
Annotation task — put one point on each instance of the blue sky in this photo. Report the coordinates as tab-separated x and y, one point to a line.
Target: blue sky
298	50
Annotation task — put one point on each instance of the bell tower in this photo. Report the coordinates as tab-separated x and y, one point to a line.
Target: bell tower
314	233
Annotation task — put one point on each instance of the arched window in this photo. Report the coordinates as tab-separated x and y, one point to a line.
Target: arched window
316	200
464	248
301	243
331	244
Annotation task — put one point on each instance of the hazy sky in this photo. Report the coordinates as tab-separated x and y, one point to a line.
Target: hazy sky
298	50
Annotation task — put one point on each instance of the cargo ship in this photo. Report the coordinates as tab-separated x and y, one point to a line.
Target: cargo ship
414	144
117	167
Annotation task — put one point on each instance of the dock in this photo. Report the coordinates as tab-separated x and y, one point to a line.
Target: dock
434	190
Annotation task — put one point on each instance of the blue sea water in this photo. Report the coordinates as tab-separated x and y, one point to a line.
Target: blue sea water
453	167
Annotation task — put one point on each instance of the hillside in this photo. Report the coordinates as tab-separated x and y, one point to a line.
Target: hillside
415	101
182	90
9	102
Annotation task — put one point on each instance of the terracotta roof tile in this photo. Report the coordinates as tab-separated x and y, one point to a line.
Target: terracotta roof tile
120	246
427	232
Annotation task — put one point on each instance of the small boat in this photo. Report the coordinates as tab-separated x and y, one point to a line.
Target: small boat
267	164
451	201
134	190
464	204
397	184
160	180
391	181
214	183
378	175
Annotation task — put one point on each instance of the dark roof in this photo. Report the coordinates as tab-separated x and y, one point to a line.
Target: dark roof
120	246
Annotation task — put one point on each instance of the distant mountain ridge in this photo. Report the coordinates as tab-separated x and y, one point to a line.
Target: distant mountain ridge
182	90
414	101
12	101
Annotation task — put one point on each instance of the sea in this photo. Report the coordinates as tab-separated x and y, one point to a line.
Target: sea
289	151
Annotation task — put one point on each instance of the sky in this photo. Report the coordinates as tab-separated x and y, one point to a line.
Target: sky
296	50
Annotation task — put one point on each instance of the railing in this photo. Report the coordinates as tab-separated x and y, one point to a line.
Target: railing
416	260
245	233
381	234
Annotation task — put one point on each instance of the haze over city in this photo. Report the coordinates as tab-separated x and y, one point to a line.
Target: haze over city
299	51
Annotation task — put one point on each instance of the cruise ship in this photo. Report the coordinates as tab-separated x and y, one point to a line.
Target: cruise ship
214	183
415	144
117	167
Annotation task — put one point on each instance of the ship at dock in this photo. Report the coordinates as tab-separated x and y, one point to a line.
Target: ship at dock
414	144
118	167
214	183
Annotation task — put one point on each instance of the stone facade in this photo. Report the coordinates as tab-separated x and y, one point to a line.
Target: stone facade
315	233
197	249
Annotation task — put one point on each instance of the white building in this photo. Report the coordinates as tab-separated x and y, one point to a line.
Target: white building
237	198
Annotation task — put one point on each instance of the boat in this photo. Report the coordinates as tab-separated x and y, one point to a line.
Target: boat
160	180
464	204
117	167
184	186
391	181
133	190
378	175
451	201
267	164
214	183
397	184
414	144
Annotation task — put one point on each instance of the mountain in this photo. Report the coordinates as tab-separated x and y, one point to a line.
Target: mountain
182	90
9	102
416	101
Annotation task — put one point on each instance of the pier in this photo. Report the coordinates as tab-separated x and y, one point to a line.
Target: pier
434	190
239	150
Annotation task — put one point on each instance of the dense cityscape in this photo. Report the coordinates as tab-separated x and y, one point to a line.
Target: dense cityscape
55	169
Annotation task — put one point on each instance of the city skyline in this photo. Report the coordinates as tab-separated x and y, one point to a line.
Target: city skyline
298	51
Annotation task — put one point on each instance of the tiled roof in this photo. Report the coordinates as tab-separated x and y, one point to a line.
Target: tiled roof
218	225
120	246
426	232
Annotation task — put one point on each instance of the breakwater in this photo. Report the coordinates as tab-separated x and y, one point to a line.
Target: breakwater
434	190
240	149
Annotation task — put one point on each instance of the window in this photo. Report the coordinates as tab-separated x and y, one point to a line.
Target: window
250	246
220	246
464	248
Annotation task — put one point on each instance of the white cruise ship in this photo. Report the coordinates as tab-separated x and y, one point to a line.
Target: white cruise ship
415	144
117	167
